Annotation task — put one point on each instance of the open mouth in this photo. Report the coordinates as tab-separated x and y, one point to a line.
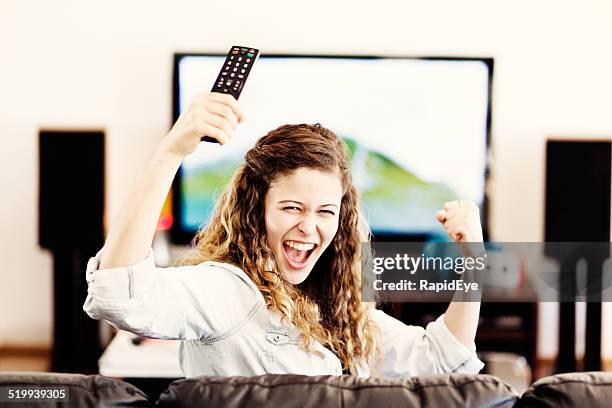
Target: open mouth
297	254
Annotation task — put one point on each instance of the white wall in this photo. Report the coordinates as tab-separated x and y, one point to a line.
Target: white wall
108	64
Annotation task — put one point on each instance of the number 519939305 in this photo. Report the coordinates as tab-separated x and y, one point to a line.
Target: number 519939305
32	393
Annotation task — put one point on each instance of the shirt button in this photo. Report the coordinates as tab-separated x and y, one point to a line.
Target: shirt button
277	338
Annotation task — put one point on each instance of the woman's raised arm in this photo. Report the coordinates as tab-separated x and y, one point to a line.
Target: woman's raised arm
462	223
131	233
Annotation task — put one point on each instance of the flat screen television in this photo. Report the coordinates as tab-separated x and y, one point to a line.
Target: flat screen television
418	130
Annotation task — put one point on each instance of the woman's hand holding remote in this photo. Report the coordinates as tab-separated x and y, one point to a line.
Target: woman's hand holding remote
211	114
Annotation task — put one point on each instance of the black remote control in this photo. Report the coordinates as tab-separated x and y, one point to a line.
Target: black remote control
234	74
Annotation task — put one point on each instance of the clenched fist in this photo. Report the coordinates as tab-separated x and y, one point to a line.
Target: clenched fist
461	220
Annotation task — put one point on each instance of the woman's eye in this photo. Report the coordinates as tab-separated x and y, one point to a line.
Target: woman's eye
298	209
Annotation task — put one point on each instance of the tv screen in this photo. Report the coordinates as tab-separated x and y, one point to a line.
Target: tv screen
417	129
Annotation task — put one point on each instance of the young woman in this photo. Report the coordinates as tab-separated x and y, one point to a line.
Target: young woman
275	284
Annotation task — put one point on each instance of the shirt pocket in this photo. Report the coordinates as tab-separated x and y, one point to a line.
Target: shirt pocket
280	337
284	355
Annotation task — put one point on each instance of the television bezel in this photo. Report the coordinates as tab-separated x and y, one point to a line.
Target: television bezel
181	236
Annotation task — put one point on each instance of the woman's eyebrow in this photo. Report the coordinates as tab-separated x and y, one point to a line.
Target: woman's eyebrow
300	203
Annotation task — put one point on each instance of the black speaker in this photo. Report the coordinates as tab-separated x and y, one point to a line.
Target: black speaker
71	194
71	207
578	189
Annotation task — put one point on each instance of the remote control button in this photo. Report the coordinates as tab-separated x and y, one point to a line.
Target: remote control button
236	69
229	63
224	73
240	76
243	71
250	55
235	52
244	52
231	57
224	89
232	75
248	60
226	68
239	58
245	65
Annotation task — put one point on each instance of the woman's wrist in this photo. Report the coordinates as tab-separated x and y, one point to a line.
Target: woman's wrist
166	151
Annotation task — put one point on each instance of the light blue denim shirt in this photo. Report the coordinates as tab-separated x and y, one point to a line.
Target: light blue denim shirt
225	329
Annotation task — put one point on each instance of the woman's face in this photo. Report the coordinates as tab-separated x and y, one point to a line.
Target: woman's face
302	211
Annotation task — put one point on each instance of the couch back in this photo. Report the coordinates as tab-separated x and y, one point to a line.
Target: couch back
588	390
298	391
82	390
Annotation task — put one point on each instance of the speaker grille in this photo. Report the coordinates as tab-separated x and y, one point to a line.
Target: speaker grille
71	189
578	186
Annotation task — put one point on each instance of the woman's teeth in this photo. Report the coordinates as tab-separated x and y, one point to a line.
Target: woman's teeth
297	253
299	246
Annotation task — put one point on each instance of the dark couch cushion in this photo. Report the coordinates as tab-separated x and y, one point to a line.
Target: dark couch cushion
83	390
589	390
455	390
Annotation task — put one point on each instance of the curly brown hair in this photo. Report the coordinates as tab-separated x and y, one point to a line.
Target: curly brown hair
332	314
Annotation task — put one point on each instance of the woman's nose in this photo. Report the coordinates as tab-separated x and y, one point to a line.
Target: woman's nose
308	224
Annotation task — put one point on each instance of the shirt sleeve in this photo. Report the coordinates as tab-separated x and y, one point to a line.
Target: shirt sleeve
413	350
186	302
